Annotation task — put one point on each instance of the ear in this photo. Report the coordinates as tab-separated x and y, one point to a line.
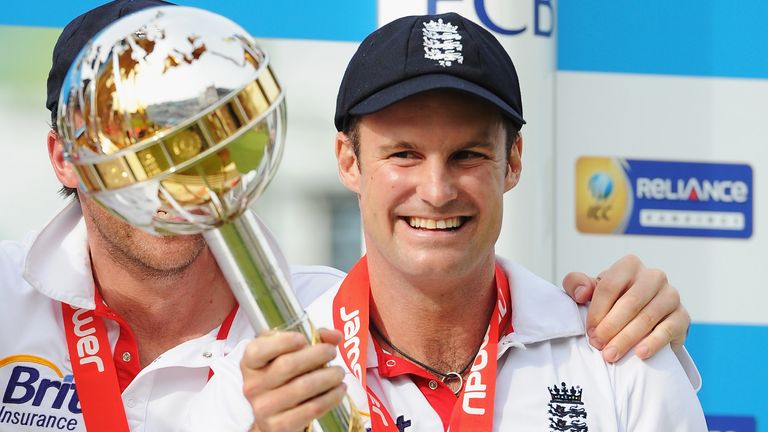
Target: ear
64	170
349	167
515	164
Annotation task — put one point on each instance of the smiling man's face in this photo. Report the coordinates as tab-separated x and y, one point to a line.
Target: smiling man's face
431	175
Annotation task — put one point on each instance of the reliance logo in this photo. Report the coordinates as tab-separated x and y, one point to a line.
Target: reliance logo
692	189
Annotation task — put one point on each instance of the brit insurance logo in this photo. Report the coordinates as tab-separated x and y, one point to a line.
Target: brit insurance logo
629	196
37	396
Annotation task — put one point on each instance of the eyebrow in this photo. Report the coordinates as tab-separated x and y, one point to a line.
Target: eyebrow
404	145
397	146
485	144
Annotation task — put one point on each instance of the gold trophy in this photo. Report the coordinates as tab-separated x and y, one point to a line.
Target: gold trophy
175	122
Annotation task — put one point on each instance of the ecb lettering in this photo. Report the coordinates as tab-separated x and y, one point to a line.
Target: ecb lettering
543	17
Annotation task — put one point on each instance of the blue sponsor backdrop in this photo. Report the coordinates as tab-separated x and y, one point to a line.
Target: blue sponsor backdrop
339	20
698	38
731	424
731	360
722	38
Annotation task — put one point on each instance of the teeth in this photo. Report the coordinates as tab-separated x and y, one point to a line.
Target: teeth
431	224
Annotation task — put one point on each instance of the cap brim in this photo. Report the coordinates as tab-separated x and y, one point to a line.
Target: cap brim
422	83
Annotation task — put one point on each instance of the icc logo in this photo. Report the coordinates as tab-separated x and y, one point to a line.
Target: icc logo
603	195
600	186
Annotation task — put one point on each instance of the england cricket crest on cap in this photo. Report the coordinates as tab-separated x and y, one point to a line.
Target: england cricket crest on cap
566	410
442	42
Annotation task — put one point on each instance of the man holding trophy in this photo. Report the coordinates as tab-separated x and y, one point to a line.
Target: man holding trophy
434	330
141	321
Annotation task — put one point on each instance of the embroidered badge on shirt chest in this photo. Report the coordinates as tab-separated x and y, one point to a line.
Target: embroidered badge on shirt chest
442	43
566	410
401	423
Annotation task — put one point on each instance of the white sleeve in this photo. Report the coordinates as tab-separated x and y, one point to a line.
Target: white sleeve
656	395
221	406
310	282
688	366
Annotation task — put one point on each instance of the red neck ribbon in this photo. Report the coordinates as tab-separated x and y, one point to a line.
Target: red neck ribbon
94	368
474	410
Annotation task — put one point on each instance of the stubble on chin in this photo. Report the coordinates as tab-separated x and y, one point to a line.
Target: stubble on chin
145	255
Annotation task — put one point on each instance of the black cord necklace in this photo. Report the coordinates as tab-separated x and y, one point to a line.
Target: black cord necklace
445	377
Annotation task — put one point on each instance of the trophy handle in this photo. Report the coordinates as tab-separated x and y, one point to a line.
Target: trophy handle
242	251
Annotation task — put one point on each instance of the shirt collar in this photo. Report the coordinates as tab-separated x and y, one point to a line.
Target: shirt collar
540	311
57	263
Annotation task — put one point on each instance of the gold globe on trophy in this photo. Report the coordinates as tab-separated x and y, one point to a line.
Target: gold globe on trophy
175	122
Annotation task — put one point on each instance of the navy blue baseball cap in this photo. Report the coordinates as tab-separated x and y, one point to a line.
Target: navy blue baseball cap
415	54
78	32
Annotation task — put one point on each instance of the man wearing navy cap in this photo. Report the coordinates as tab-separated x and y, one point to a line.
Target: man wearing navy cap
434	331
149	316
161	310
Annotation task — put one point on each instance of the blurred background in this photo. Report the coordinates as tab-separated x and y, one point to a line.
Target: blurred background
646	134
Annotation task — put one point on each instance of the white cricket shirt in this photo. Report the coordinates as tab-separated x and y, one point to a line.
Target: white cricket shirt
548	379
36	390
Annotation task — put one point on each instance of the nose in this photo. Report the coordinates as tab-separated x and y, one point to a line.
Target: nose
437	185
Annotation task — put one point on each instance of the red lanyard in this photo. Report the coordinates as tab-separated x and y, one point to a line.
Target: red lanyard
94	370
226	325
474	408
95	376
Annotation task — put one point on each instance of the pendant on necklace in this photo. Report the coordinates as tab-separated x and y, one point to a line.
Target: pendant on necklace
454	381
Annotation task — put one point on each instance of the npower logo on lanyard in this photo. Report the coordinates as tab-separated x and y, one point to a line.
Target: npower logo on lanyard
646	197
87	343
475	387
